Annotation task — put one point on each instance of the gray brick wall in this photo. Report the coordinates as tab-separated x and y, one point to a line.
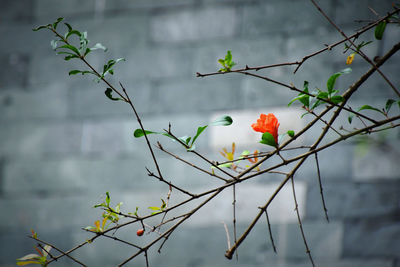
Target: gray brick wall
63	144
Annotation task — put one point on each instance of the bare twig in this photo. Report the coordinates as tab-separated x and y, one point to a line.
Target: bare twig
228	240
300	223
270	231
320	187
234	218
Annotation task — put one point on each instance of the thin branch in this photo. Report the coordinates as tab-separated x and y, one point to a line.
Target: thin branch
144	131
320	187
270	232
146	258
198	154
234	218
300	223
119	240
169	183
326	123
228	240
189	163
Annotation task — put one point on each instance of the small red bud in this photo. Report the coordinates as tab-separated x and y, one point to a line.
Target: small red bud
140	232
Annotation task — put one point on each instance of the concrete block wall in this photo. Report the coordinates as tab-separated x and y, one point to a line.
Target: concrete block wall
63	144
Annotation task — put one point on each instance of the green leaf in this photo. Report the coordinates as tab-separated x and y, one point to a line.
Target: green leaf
337	99
56	23
199	131
268	139
68	26
71	56
380	29
323	95
73	32
185	139
163	205
224	120
41	27
225	165
226	63
350	118
316	104
305	113
362	44
110	63
153	208
87	51
136	211
303	98
100	205
332	80
389	104
107	198
228	57
73	72
70	47
370	108
108	93
83	72
139	133
290	133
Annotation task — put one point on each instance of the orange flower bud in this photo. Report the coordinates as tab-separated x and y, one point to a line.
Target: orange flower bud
140	232
267	123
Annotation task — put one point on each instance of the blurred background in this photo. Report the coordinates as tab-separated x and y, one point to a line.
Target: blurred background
63	144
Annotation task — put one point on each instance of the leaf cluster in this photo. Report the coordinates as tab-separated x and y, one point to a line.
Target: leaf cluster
63	45
314	99
226	63
40	258
109	214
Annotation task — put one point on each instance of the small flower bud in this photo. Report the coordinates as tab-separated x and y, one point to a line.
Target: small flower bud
140	232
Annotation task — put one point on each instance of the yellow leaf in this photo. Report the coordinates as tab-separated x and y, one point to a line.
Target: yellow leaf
97	224
27	262
104	222
350	59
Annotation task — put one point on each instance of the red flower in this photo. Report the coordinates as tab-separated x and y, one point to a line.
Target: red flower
267	123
